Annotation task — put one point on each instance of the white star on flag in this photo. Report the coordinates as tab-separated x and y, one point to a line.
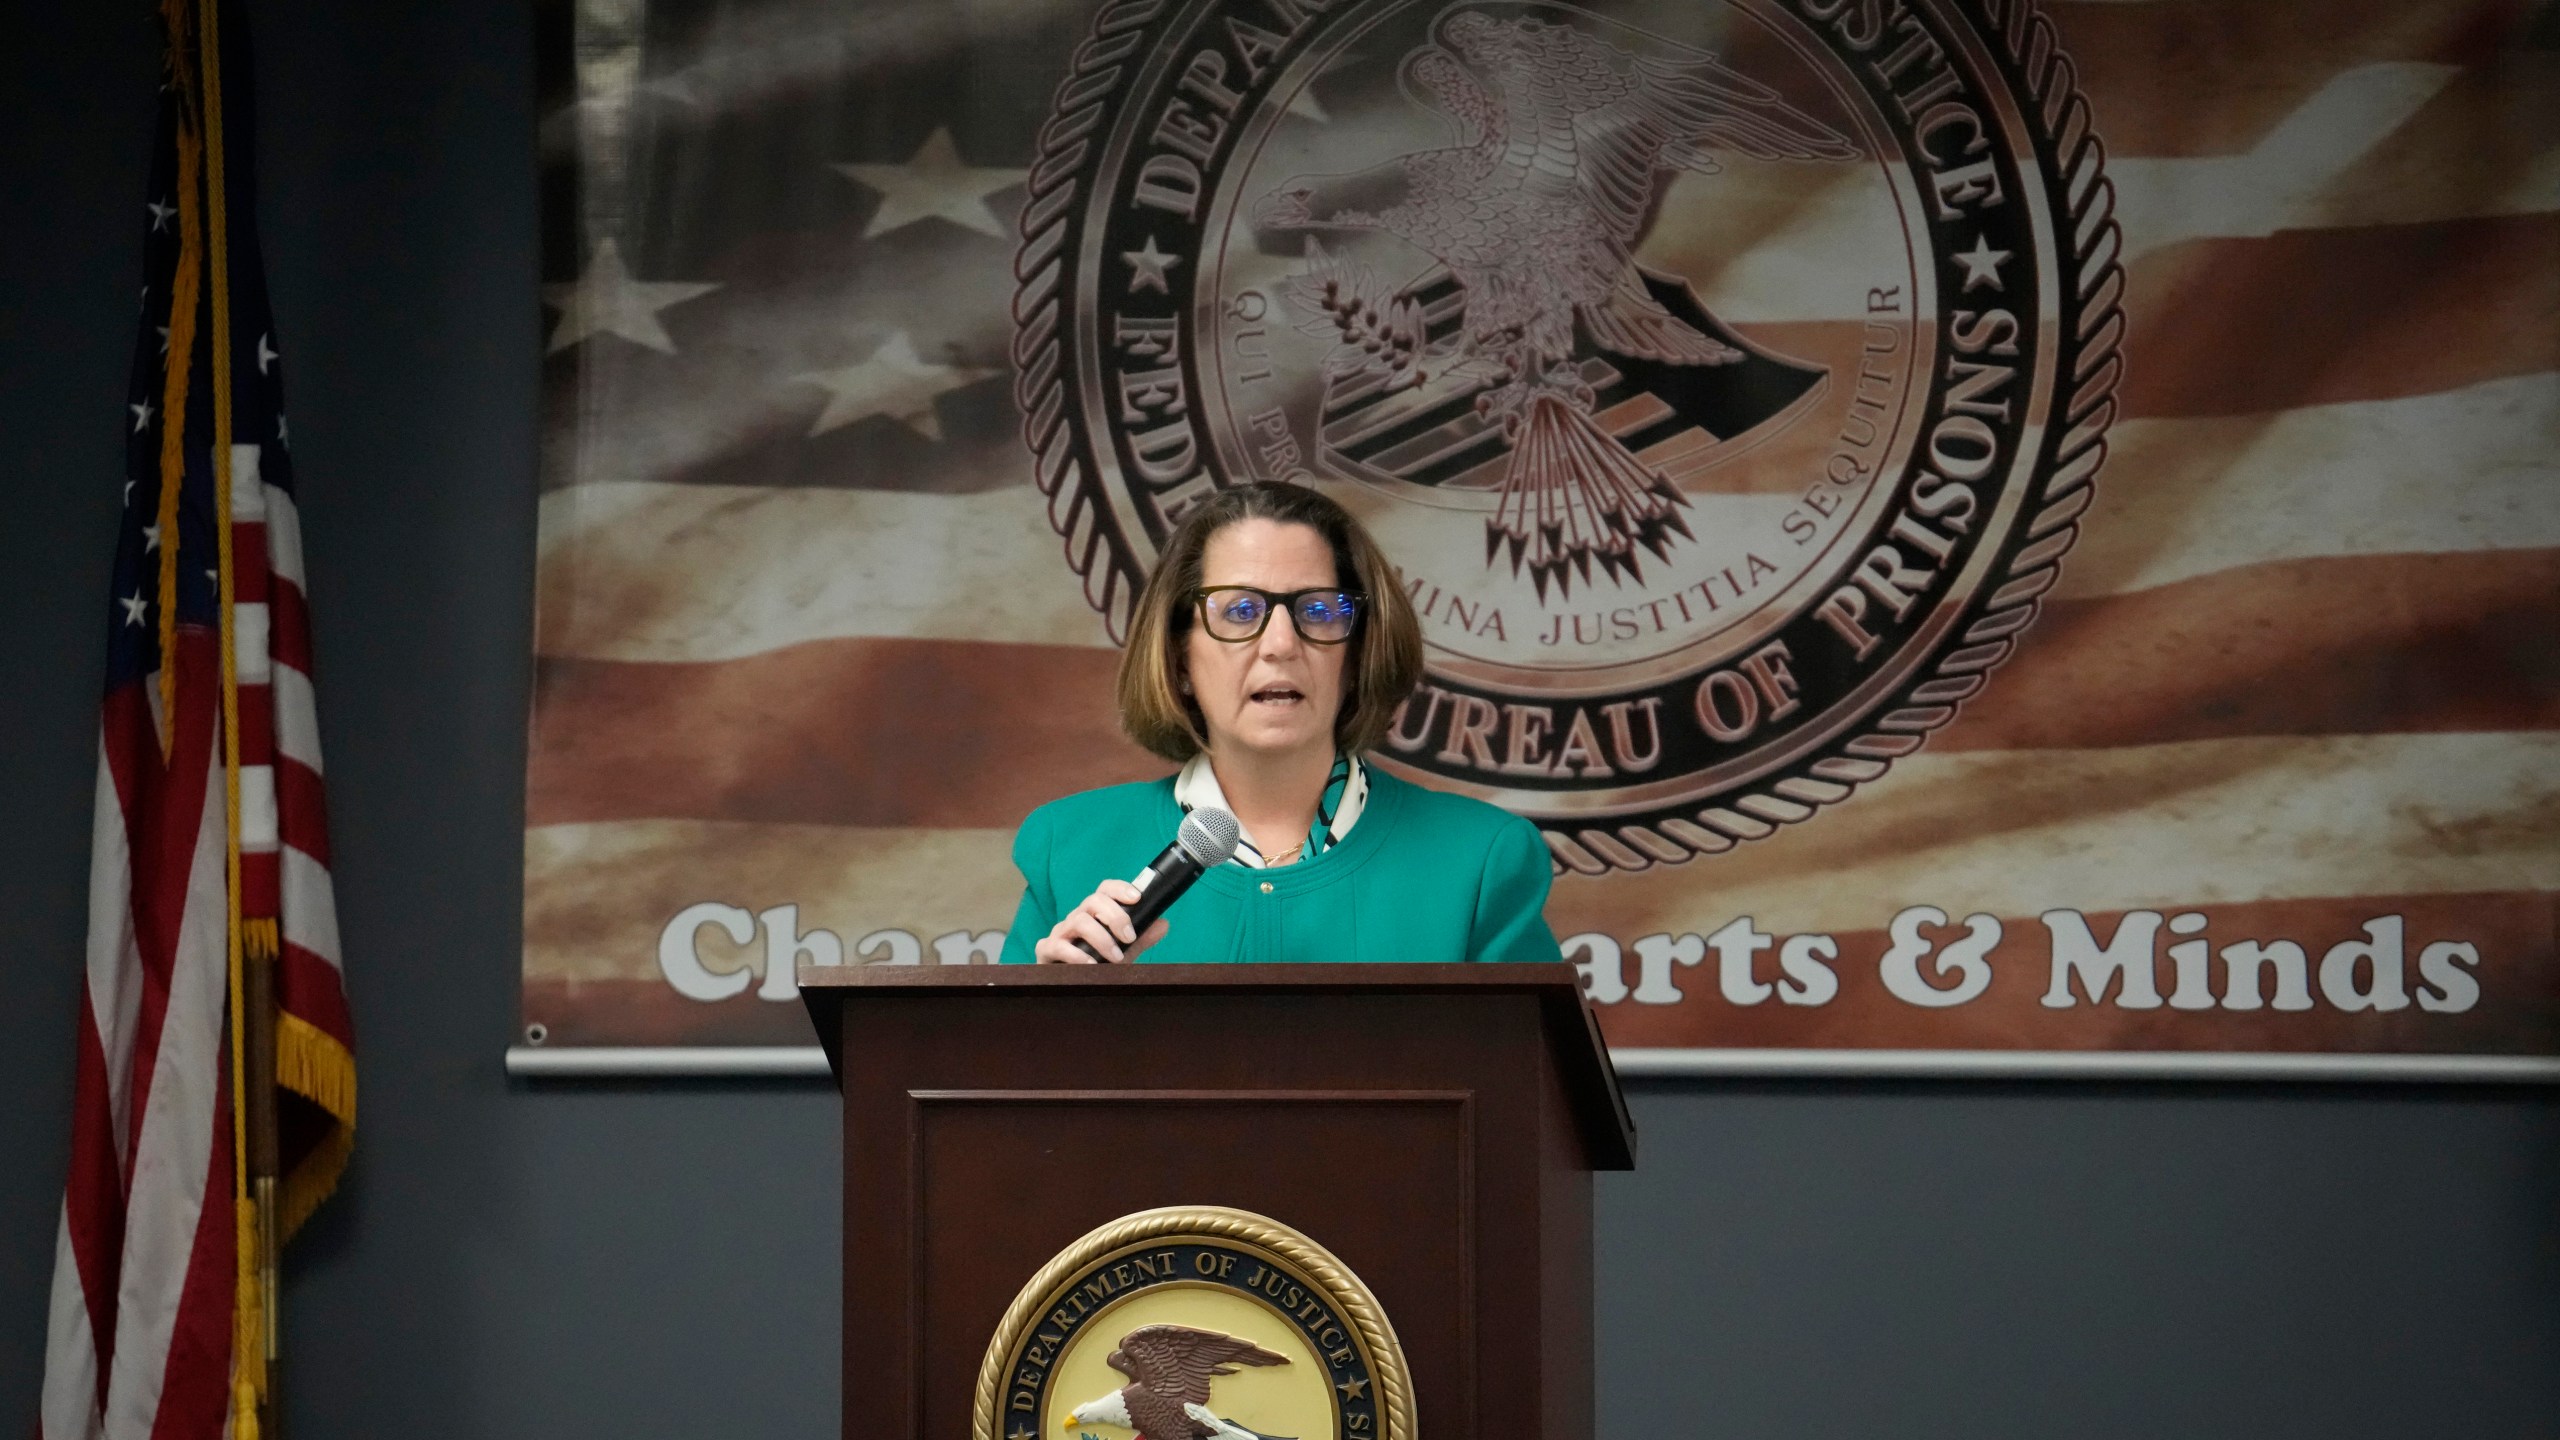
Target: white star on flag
160	215
135	607
141	415
607	301
934	181
266	353
895	382
1305	105
150	538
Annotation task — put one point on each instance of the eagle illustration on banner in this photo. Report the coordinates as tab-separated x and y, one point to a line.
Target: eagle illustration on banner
1535	214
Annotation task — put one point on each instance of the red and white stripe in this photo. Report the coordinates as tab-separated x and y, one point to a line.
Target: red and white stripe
284	833
139	1344
141	1324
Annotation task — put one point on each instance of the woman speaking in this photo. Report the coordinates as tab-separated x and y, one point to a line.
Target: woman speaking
1268	651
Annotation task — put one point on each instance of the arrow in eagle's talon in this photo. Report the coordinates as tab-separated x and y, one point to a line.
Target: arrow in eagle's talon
1659	543
1542	572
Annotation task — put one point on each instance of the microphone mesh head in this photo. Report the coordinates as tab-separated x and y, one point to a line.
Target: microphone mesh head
1209	836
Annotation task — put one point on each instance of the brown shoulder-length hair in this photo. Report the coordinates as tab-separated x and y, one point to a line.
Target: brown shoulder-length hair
1385	662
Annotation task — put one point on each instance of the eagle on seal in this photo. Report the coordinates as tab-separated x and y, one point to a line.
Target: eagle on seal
1535	212
1167	1397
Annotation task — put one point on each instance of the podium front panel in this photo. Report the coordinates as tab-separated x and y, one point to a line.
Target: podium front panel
1426	1139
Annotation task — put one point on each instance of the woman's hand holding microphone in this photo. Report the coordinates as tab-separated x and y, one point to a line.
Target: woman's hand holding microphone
1102	923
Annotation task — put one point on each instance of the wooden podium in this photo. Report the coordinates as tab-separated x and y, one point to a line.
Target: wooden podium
1434	1126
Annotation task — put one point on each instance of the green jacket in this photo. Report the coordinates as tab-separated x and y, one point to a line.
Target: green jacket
1421	876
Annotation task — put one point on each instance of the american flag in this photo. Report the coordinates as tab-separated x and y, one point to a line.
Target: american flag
210	846
806	638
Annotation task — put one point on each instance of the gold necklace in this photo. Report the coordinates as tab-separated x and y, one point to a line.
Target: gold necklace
1285	857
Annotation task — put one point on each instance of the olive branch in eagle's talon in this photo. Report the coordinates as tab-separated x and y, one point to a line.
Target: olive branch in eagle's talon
1378	333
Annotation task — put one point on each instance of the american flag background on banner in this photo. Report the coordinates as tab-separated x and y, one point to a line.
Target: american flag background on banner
808	647
209	870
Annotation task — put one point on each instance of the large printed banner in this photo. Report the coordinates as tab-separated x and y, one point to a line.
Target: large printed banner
1972	526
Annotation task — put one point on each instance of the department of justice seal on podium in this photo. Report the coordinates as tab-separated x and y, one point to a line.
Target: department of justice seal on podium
1194	1323
1726	377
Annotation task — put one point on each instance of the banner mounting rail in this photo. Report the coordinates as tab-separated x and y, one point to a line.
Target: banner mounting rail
599	1062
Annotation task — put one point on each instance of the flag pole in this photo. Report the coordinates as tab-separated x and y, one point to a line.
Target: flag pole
258	991
253	942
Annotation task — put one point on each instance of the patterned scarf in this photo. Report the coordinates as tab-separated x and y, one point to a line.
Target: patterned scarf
1346	792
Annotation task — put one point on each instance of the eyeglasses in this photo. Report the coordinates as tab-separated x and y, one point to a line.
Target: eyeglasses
1237	613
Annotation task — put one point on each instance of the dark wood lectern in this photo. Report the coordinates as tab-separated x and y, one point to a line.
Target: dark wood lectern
1434	1126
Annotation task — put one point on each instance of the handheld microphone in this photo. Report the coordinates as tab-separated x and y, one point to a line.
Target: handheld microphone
1208	837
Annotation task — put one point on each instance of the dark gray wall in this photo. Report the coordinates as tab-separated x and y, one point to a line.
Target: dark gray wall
1794	1260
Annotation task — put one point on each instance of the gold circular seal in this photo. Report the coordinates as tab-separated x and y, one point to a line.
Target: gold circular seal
1194	1323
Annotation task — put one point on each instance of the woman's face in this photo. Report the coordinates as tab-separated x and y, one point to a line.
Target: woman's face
1274	694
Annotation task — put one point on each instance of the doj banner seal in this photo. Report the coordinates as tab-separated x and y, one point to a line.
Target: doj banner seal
1727	376
1194	1321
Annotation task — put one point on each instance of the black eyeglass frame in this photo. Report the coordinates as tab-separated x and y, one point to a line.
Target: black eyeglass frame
1278	600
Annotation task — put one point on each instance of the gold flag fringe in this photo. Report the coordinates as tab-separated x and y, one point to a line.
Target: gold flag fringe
312	1064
